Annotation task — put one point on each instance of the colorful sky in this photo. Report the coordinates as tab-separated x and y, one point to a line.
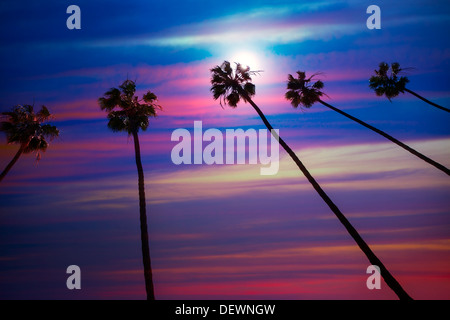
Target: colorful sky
225	231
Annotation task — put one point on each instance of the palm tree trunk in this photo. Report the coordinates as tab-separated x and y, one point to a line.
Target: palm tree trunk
143	219
427	101
13	161
388	278
389	137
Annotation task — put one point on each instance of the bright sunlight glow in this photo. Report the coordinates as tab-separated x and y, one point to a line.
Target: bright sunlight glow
246	58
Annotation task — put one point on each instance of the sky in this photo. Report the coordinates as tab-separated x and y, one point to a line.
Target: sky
225	231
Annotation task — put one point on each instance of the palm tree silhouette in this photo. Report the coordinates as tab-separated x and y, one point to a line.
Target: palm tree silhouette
301	91
392	85
129	114
27	128
230	87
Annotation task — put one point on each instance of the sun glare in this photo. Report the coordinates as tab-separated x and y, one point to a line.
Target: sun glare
246	58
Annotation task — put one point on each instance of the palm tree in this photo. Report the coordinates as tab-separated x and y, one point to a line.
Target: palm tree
230	87
129	114
391	85
301	91
26	128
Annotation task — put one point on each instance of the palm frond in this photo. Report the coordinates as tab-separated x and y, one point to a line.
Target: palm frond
294	97
50	131
150	97
43	114
110	100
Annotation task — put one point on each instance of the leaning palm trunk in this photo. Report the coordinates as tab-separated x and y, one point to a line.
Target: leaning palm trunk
387	136
426	100
143	220
374	260
13	161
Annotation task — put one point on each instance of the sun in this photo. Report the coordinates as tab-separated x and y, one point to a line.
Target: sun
246	58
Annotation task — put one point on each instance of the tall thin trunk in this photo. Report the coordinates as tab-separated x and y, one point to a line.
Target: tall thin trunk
427	101
143	219
13	161
388	278
389	137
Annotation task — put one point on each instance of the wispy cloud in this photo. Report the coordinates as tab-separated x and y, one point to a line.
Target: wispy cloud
348	168
263	35
265	26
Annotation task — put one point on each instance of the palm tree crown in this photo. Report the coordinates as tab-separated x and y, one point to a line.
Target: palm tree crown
386	80
301	90
390	84
27	128
231	85
126	111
